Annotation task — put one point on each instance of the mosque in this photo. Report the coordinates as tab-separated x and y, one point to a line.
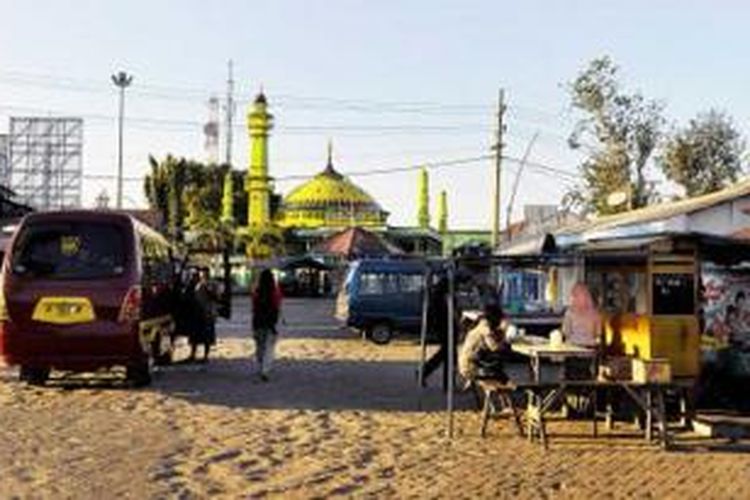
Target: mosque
327	203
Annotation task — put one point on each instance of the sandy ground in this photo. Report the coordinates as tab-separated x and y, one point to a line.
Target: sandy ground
340	417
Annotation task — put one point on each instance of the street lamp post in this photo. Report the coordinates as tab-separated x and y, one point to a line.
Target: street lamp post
121	80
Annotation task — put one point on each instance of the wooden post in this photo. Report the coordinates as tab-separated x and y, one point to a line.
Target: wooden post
451	345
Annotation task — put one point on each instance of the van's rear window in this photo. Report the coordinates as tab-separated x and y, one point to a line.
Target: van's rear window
70	250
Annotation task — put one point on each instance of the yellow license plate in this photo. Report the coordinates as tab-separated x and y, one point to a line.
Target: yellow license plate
64	310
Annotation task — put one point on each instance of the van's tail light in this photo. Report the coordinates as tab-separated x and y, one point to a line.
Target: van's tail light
4	316
131	305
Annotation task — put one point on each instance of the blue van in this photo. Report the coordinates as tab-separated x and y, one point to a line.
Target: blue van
382	297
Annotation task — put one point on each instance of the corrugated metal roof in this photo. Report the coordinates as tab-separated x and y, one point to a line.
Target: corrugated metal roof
662	210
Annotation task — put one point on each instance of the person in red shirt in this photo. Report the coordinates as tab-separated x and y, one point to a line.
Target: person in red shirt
266	311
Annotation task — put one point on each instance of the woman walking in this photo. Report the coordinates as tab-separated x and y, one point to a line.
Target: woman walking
266	310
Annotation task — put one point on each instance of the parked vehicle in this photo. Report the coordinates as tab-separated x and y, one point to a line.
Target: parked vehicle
382	297
83	290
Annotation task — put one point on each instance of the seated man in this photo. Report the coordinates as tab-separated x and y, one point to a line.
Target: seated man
481	353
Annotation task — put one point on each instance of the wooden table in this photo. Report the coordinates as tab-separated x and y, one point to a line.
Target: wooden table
537	348
648	397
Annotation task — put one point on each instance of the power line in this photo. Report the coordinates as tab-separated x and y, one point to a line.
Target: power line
559	174
194	126
170	92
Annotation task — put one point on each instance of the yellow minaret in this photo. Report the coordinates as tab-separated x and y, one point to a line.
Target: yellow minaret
262	238
442	212
423	200
257	182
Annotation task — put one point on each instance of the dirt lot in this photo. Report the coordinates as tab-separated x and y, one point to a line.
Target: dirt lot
339	417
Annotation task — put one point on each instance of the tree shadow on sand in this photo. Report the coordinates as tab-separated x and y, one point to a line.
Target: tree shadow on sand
308	384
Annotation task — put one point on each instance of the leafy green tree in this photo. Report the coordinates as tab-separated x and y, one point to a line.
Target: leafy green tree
227	199
164	187
188	195
705	156
619	131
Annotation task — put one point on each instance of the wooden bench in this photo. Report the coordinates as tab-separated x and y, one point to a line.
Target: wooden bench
541	398
495	391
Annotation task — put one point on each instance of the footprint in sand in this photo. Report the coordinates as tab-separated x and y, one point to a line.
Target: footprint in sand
365	458
225	455
387	473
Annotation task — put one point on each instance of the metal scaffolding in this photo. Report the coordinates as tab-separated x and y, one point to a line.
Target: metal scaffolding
4	161
45	161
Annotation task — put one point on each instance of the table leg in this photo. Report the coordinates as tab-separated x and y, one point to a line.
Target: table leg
663	437
530	401
516	416
486	411
594	403
649	415
683	409
609	420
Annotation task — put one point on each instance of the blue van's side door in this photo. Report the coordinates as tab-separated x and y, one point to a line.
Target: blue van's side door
410	300
373	301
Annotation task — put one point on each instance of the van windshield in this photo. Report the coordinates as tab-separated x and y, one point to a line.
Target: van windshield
70	250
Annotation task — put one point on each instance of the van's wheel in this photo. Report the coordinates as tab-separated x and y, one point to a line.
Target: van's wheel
33	376
380	333
141	373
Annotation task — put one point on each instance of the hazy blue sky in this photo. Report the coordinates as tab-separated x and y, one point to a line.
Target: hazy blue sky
393	83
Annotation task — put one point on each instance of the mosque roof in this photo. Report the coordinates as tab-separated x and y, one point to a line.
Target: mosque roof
328	188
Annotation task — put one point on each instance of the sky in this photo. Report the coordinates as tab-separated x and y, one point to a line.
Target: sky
392	83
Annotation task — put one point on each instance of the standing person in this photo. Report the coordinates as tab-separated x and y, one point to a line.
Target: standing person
437	326
205	298
266	310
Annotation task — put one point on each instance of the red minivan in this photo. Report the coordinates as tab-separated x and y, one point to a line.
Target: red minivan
84	290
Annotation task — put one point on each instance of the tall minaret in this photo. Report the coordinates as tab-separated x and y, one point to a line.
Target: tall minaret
423	200
442	212
257	182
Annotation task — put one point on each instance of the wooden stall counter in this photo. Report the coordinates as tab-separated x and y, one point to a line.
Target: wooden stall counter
675	338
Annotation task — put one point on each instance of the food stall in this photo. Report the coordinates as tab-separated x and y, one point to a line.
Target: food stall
648	289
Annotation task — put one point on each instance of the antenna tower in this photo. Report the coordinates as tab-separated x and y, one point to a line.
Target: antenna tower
229	112
211	132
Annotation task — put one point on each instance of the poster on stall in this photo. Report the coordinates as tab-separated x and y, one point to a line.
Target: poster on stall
726	309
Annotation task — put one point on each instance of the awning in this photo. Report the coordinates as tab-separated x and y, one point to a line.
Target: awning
534	245
305	262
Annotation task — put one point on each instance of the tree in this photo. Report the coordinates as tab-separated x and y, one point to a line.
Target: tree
227	199
620	131
705	156
164	188
188	194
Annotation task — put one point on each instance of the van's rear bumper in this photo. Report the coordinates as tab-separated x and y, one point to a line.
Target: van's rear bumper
70	347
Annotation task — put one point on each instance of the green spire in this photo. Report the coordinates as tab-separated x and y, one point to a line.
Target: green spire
443	212
227	199
423	200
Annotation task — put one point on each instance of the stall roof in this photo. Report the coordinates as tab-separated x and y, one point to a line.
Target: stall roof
652	219
356	242
533	245
664	210
715	248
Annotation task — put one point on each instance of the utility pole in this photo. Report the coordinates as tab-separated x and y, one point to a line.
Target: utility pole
498	147
229	114
121	80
